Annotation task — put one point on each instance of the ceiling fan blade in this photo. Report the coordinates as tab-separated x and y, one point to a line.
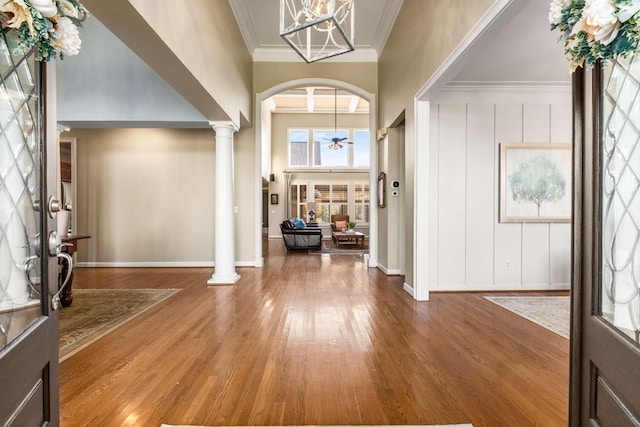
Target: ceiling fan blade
342	139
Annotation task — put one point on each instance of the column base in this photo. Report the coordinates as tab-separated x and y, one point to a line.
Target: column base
227	279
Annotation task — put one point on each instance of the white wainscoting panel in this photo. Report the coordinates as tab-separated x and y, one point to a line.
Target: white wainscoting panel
452	203
508	237
535	253
470	248
480	203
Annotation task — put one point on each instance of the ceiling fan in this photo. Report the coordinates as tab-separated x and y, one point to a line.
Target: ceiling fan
336	142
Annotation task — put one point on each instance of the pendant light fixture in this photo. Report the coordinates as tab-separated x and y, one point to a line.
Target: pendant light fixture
318	29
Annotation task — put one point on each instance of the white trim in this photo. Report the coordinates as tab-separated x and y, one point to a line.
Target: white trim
421	201
389	271
450	66
504	93
161	264
373	177
422	142
491	288
408	289
385	25
73	142
285	54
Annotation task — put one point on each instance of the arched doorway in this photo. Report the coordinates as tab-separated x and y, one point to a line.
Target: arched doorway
261	138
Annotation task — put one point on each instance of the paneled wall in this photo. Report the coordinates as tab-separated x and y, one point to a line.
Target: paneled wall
469	248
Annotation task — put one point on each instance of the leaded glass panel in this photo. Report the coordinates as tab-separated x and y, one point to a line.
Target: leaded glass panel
619	292
20	223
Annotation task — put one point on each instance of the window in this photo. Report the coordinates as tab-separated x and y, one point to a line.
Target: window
361	145
323	155
298	201
355	151
346	199
362	203
298	147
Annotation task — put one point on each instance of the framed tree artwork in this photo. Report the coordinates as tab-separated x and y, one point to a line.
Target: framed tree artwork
535	182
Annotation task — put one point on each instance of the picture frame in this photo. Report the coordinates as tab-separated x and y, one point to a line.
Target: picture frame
535	182
382	190
274	199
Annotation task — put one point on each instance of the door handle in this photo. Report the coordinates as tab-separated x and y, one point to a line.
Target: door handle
54	206
28	265
55	301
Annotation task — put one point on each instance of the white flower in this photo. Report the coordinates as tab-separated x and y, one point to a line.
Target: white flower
68	38
599	21
47	8
20	12
555	11
67	8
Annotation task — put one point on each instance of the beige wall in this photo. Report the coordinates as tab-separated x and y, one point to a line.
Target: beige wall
146	196
217	56
424	34
279	159
269	74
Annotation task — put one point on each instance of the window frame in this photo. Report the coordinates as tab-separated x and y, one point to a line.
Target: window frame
310	164
351	196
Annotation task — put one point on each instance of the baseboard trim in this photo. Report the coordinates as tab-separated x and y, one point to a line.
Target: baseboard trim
506	288
185	264
408	289
389	271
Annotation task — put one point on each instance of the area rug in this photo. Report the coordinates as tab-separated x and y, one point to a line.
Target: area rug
439	425
96	312
552	313
330	248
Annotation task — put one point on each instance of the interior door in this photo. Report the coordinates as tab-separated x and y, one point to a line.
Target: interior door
28	324
605	377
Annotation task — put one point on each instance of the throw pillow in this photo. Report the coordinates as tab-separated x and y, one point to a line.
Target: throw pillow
341	224
299	223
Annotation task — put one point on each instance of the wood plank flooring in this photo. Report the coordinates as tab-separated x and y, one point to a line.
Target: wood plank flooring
312	340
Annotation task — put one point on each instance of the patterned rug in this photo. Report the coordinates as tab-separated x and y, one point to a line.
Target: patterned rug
552	313
448	425
96	312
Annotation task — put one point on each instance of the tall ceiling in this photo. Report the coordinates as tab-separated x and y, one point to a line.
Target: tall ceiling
519	47
259	23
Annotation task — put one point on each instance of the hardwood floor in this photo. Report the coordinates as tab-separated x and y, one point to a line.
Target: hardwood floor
312	340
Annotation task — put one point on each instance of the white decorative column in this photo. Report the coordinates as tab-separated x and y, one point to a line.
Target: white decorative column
225	269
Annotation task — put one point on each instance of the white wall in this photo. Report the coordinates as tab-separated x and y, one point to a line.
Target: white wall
470	249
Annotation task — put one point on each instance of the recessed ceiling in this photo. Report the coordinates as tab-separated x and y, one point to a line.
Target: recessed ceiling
317	100
260	25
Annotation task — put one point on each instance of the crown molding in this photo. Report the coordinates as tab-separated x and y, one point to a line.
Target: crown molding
285	54
387	19
245	23
505	92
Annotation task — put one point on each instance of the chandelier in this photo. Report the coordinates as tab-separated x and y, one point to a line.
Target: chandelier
317	29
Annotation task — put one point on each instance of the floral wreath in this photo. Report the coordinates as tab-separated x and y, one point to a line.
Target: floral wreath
48	26
596	29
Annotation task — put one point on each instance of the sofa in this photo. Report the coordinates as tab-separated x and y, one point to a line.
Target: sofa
300	237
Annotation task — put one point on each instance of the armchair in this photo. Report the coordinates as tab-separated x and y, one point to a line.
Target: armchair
339	221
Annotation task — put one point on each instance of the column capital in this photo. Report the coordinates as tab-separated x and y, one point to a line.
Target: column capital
224	125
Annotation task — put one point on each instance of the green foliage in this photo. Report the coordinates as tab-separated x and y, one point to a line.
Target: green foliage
537	181
352	224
